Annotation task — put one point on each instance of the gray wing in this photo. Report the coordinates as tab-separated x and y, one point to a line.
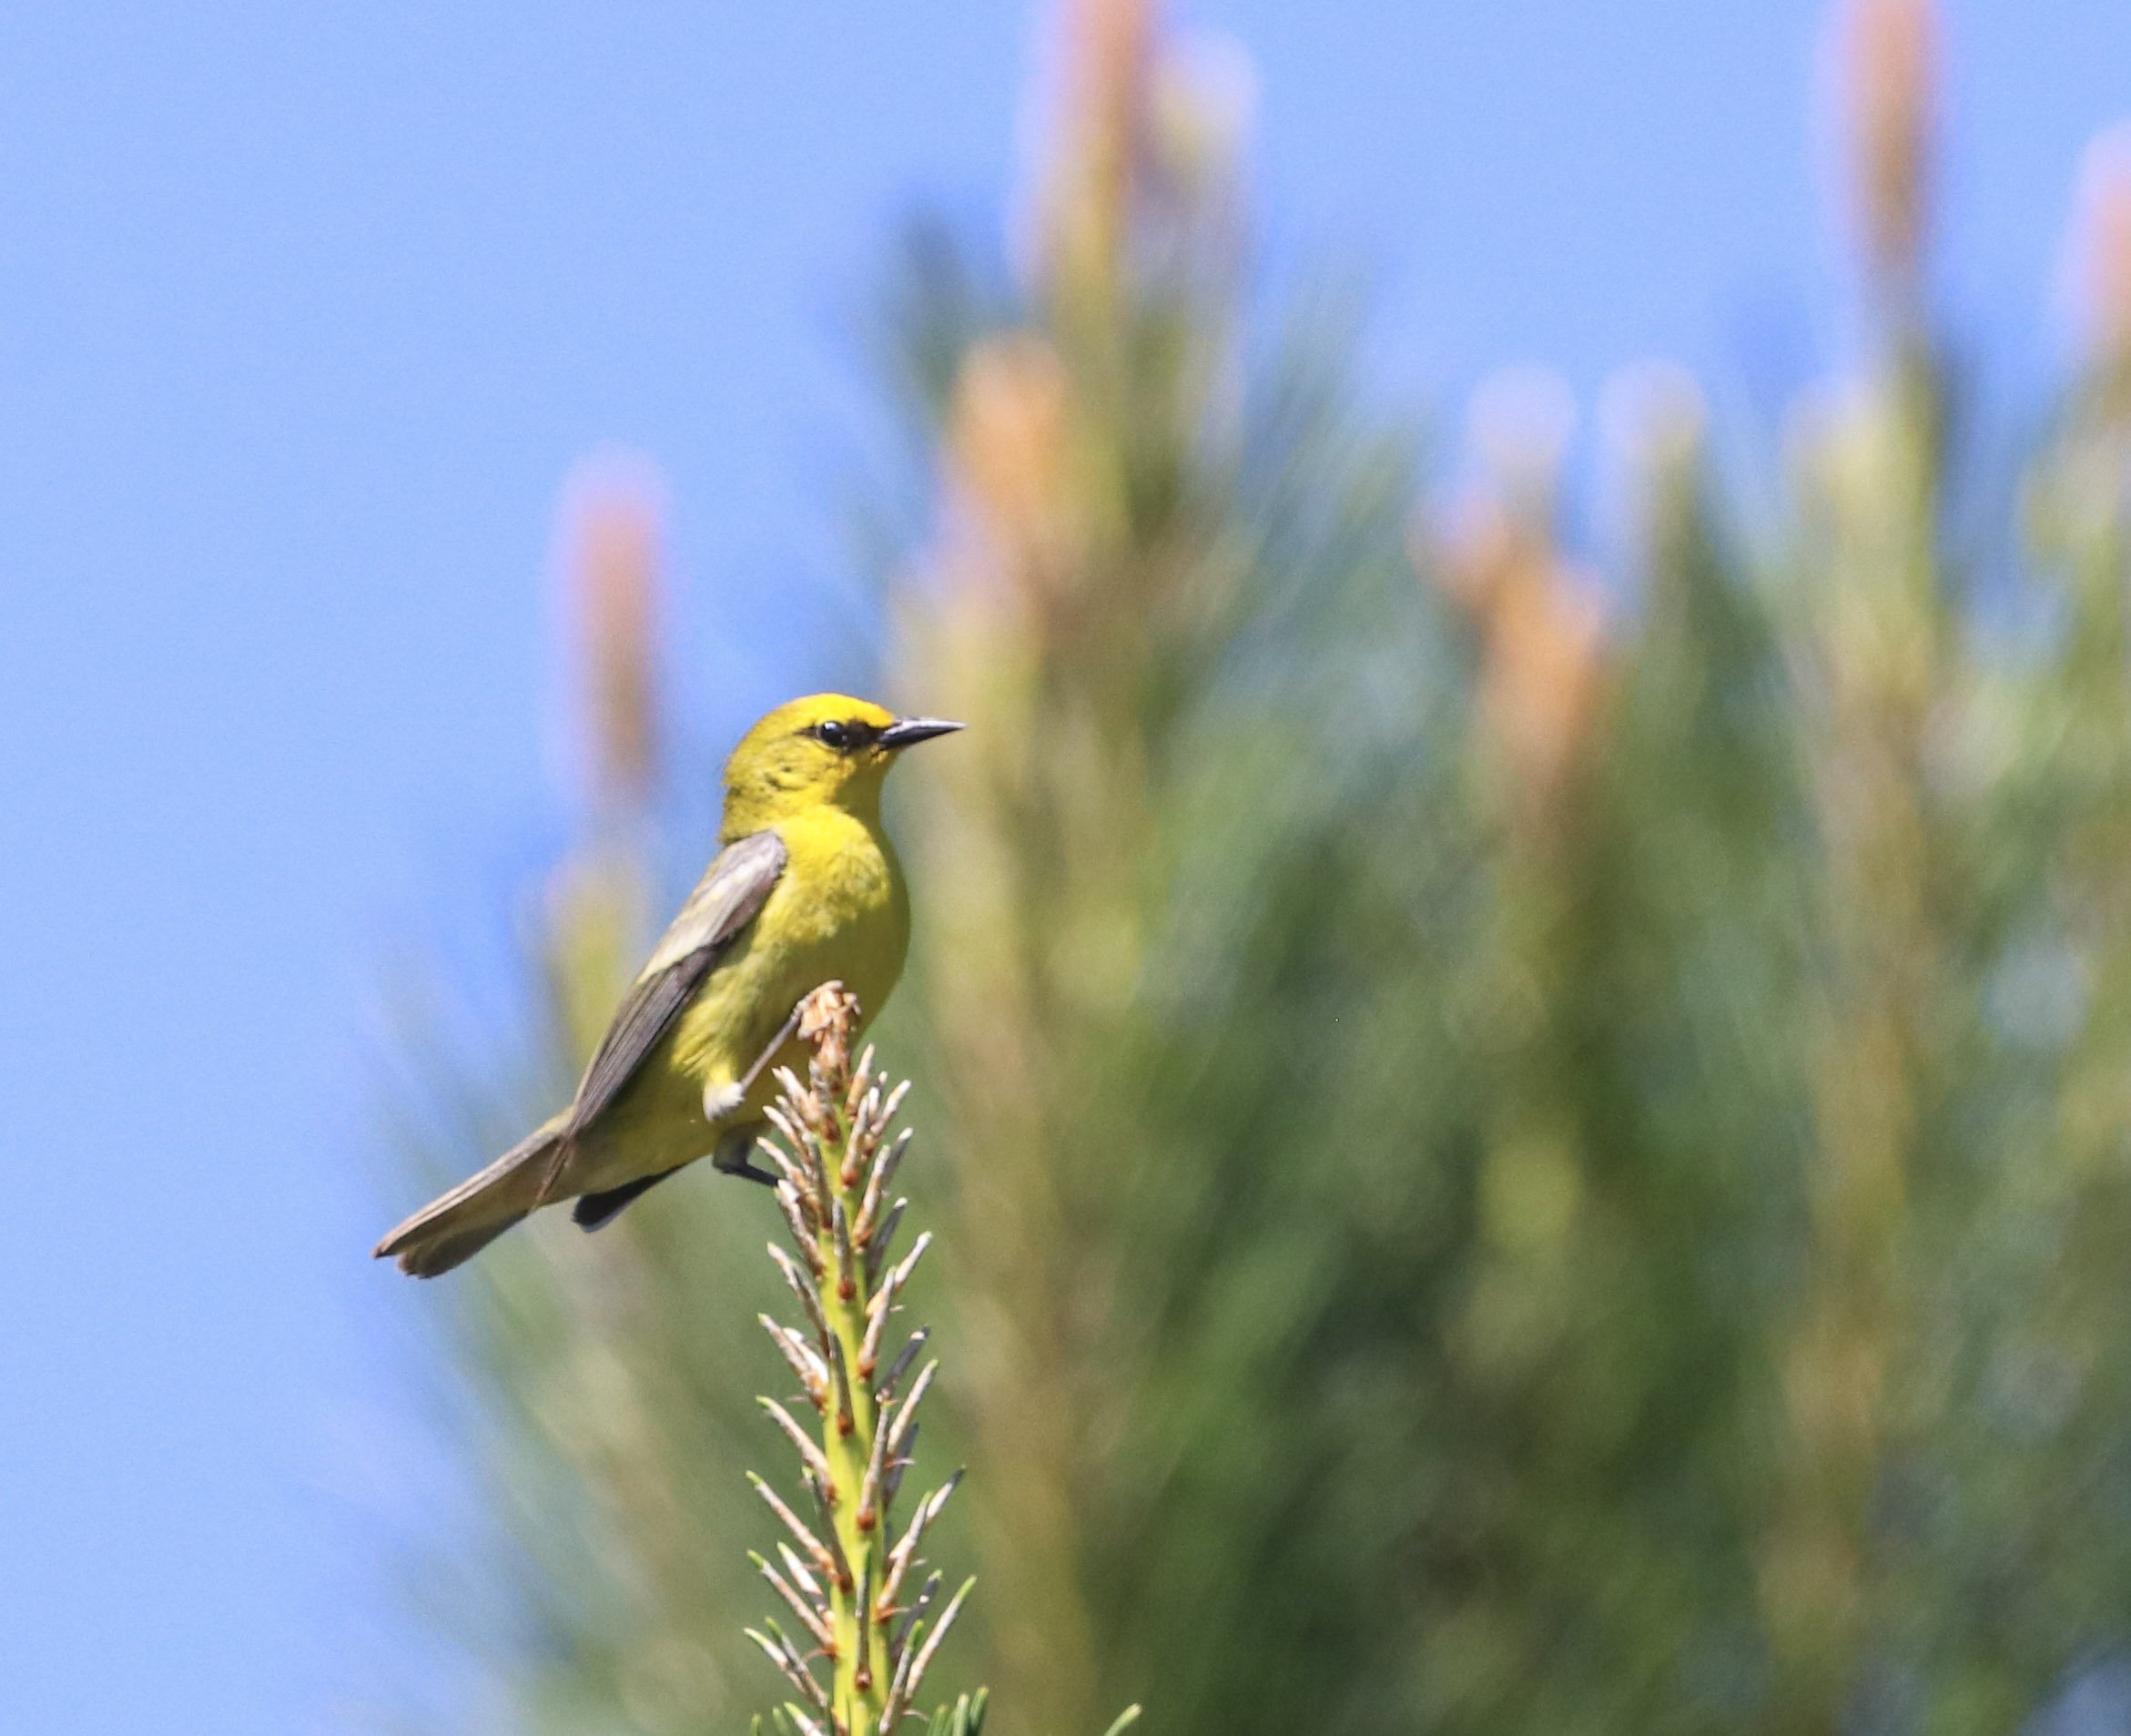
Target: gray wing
733	889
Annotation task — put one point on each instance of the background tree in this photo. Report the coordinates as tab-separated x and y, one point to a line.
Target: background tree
1531	1150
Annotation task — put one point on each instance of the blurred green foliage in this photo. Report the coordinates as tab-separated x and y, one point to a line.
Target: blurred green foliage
1528	1152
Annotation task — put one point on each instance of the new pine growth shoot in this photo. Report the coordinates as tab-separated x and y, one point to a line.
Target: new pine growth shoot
854	1585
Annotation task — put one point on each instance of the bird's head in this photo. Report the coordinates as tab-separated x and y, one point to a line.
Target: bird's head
828	748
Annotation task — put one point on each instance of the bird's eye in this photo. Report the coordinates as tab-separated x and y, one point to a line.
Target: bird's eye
833	734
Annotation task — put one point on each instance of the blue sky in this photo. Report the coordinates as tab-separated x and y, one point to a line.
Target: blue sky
306	312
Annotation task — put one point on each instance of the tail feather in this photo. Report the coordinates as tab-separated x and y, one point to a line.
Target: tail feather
596	1211
455	1226
439	1254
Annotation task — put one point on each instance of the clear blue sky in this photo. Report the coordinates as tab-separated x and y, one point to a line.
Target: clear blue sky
305	311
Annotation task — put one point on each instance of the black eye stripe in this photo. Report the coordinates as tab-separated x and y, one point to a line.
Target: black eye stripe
843	736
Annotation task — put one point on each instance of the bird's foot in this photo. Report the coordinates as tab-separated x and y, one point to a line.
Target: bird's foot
721	1100
733	1156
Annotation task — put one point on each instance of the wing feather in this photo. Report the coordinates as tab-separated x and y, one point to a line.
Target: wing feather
729	898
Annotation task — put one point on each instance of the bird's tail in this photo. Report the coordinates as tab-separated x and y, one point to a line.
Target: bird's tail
457	1225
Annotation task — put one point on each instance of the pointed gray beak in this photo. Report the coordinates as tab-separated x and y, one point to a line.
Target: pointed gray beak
907	732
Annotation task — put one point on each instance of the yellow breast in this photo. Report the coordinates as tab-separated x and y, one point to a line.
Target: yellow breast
839	911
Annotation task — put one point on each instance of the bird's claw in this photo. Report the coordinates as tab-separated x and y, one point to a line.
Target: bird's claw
721	1100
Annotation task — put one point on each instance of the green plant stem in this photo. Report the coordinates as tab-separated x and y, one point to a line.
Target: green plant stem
859	1683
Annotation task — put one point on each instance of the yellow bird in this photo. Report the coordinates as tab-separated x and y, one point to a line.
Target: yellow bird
807	888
